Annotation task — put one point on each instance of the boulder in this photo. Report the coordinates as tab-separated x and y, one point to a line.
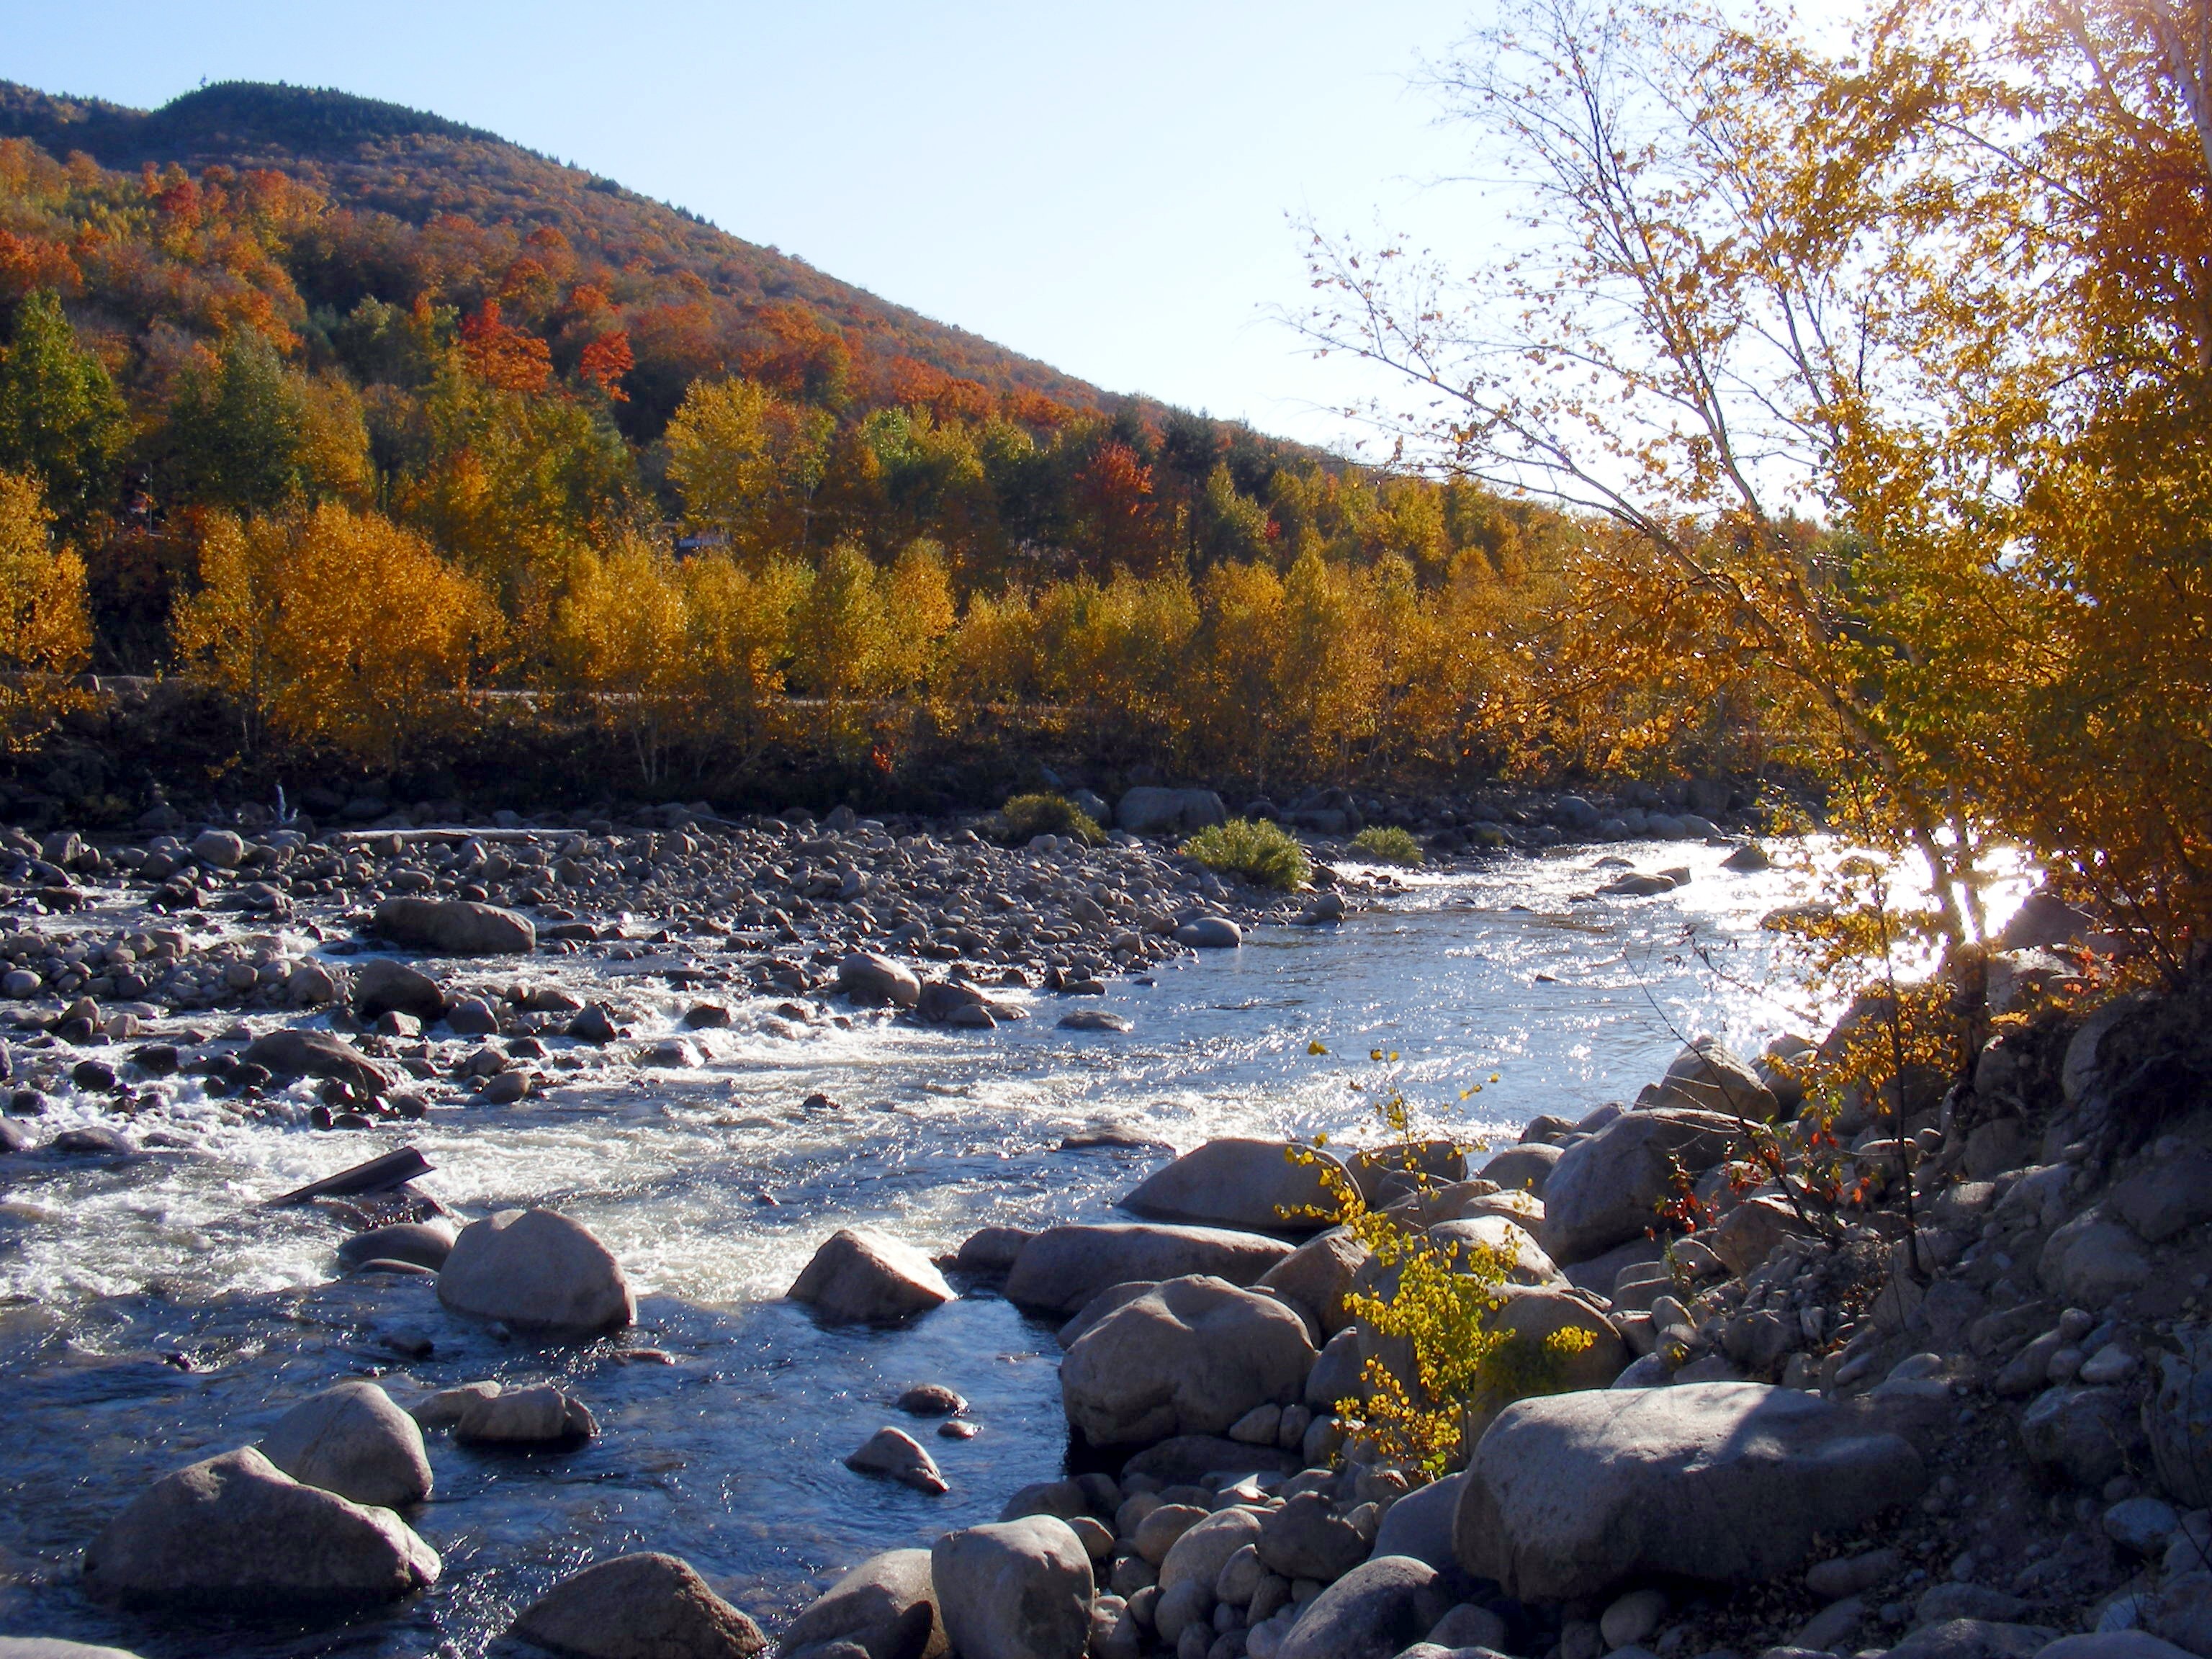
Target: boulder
487	1414
353	1441
536	1270
1750	1232
867	977
1525	1168
2179	1419
1607	1190
943	1001
1384	1173
1371	1612
1187	1357
1306	1538
1014	1590
1709	1076
1419	1524
52	1647
859	1275
2092	1261
895	1453
1493	1240
1318	1275
1061	1268
1574	1494
1266	1186
289	1053
219	849
2167	1196
424	1243
886	1607
1210	934
2099	1645
1974	1638
638	1607
455	927
1203	1548
2085	1436
1146	810
381	986
1535	1313
236	1531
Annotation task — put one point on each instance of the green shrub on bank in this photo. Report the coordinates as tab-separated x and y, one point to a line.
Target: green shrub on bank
1260	852
1049	815
1390	844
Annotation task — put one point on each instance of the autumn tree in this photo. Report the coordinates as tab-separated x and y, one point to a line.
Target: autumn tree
60	415
45	633
247	432
334	629
747	463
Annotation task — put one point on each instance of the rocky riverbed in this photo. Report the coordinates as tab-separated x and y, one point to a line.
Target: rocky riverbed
1787	1442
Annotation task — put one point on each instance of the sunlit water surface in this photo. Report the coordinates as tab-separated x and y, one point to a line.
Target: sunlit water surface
731	1456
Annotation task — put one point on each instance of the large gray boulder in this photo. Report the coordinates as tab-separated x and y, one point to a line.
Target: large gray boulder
292	1053
1319	1275
1709	1076
1187	1357
1263	1186
1572	1494
1376	1610
52	1647
2179	1419
638	1607
236	1532
1063	1267
353	1441
887	1605
539	1271
1608	1189
1525	1168
456	928
868	977
859	1275
381	986
1146	810
1419	1524
1014	1590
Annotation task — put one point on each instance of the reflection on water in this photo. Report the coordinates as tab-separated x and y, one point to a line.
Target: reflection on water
714	1185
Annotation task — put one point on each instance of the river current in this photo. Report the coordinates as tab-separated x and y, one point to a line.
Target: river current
155	1312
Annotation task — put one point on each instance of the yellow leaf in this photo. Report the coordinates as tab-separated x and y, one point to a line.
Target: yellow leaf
1316	1047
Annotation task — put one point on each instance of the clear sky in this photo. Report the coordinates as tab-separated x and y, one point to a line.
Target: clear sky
1109	188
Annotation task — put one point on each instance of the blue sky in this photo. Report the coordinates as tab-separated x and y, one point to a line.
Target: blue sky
1110	190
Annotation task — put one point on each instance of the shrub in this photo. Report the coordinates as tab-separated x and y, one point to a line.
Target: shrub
1049	815
1262	852
1391	845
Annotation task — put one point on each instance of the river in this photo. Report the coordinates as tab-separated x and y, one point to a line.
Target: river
153	1312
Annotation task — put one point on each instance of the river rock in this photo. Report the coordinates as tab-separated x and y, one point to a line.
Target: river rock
2179	1419
1573	1494
353	1441
1974	1638
381	986
2092	1261
219	849
52	1647
867	977
1710	1076
2085	1435
456	928
424	1243
638	1607
895	1453
1307	1538
1750	1232
289	1053
1607	1190
862	1275
1203	1548
1187	1357
1525	1168
236	1531
886	1607
1492	1240
536	1270
1210	934
1062	1268
1374	1611
1147	811
1266	1186
487	1414
1419	1524
1318	1275
1014	1590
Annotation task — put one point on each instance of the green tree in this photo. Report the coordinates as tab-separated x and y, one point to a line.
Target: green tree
250	433
60	415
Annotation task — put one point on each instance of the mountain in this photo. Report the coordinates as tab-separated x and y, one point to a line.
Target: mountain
377	158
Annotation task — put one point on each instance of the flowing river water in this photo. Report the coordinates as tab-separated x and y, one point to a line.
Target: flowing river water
155	1312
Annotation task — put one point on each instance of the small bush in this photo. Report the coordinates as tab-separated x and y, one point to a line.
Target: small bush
1262	852
1391	845
1049	815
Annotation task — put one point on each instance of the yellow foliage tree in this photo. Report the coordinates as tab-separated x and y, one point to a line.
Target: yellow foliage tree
748	463
332	628
45	632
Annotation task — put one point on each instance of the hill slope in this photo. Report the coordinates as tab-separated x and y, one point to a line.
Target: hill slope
381	158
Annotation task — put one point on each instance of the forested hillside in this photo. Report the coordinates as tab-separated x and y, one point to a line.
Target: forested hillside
345	410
